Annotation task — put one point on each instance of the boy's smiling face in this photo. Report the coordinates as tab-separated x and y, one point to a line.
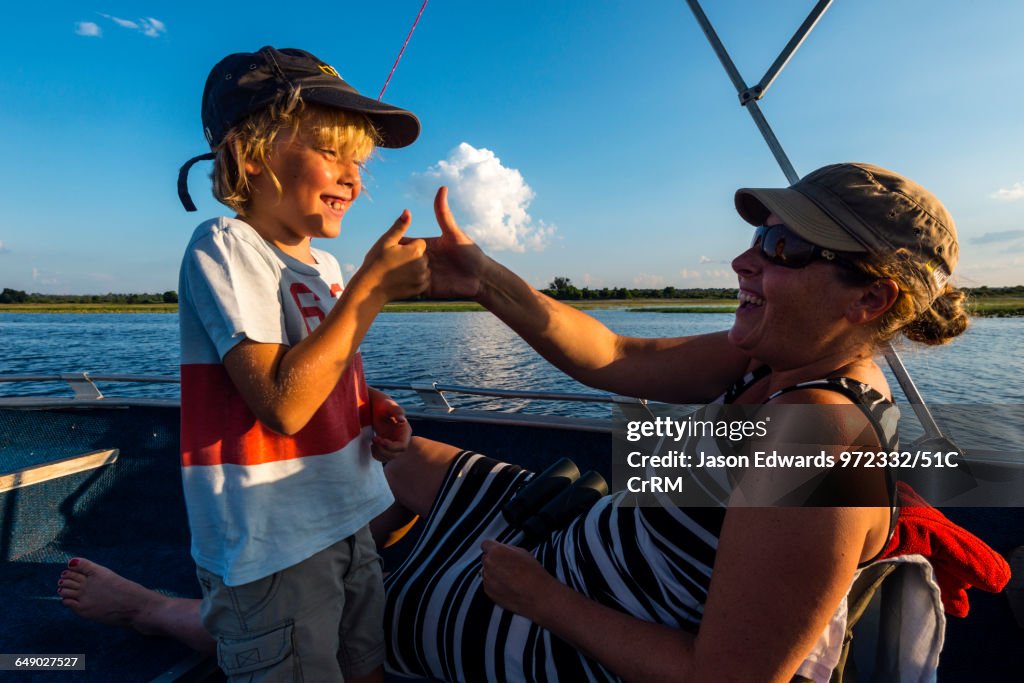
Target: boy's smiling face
317	188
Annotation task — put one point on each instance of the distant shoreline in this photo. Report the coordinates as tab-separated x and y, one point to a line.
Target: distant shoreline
983	307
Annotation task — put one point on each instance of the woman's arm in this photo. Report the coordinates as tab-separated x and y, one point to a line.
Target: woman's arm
781	572
633	649
683	369
778	577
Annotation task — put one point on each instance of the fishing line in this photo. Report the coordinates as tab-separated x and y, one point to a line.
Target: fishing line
402	51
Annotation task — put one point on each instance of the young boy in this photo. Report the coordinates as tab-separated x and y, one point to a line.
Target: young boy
277	422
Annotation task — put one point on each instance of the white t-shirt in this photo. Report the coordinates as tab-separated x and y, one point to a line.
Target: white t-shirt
259	501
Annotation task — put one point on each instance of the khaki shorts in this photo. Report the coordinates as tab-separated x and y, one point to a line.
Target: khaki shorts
319	621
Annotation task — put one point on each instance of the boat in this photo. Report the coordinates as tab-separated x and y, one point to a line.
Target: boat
95	473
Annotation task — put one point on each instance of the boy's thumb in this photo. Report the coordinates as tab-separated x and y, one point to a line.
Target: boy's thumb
397	229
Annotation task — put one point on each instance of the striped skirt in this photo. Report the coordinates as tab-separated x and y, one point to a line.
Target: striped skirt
440	624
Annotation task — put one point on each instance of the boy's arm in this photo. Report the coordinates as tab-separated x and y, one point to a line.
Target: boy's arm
285	385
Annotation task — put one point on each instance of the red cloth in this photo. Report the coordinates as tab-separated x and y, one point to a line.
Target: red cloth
960	559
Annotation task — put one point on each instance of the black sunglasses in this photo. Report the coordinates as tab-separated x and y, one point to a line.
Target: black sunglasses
785	248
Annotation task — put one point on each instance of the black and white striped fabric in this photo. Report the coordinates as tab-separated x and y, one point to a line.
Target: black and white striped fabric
653	563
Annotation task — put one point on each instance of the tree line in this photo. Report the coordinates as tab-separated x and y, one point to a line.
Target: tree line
563	289
560	288
17	296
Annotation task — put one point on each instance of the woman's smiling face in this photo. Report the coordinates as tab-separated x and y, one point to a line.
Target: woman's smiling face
788	316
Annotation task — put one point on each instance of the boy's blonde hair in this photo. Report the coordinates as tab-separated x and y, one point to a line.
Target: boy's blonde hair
349	134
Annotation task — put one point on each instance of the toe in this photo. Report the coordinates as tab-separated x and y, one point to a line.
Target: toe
82	566
70	582
67	591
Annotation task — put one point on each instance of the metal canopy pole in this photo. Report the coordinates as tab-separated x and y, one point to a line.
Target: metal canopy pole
745	100
748	99
787	52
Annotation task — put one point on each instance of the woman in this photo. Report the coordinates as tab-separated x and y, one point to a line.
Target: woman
840	262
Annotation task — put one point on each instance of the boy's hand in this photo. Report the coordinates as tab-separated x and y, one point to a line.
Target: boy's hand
392	432
456	262
396	266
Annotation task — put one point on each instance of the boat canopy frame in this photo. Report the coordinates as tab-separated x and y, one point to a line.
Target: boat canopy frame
749	97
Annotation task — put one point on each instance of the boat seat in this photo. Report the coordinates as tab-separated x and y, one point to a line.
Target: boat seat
895	625
1015	589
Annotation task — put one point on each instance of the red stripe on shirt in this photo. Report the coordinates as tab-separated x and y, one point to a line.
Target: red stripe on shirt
217	427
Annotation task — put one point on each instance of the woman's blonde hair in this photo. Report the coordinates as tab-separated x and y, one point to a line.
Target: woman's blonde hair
917	313
349	134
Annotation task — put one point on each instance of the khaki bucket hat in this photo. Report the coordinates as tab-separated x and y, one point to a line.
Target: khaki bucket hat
861	208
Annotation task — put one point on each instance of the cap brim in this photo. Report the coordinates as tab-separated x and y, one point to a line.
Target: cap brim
799	213
397	127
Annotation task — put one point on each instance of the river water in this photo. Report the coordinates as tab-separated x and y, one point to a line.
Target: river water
984	367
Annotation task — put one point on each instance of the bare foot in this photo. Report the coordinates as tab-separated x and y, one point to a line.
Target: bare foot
96	593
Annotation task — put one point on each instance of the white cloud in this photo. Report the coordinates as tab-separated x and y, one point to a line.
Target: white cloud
715	277
998	237
648	281
88	28
123	23
4	249
705	259
489	200
1014	193
152	27
149	26
348	268
43	278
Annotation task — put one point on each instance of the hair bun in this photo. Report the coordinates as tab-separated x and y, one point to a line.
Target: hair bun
945	319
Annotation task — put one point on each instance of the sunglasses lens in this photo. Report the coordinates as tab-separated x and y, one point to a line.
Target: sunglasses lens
758	237
782	247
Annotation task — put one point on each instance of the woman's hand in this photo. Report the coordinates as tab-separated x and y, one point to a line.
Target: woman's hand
392	432
456	262
514	579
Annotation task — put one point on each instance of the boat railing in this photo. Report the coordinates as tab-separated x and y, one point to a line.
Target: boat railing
421	400
435	404
84	390
435	400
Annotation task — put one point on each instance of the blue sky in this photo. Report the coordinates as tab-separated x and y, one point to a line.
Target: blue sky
596	140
